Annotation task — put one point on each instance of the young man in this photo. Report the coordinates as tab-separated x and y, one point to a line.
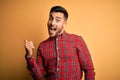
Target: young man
62	56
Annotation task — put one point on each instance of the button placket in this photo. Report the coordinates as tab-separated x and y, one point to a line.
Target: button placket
58	58
57	49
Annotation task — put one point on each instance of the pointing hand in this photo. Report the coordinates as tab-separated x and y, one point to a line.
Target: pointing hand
29	47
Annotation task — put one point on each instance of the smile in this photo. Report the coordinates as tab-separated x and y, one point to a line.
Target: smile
52	28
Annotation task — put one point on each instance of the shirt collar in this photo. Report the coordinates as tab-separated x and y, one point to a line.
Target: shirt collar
61	36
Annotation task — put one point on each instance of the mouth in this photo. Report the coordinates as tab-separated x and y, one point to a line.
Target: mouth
52	30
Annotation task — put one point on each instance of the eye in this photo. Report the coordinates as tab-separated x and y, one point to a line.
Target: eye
58	20
50	18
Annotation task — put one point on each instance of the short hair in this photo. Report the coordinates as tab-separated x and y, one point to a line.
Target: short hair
61	10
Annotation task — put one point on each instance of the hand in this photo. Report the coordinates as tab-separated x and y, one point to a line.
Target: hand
29	47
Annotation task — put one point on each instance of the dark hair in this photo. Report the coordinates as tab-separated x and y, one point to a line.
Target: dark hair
60	9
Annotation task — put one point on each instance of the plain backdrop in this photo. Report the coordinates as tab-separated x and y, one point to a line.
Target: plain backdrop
97	21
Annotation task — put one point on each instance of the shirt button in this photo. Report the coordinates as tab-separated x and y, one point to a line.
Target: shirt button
56	38
58	58
57	69
57	48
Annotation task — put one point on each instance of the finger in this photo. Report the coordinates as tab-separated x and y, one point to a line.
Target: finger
25	41
31	43
33	47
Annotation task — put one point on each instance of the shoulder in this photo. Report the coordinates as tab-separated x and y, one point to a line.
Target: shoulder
43	43
74	36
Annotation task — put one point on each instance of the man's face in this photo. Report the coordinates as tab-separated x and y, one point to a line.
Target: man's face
56	23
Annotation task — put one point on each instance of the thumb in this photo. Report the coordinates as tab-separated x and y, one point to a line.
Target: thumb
33	47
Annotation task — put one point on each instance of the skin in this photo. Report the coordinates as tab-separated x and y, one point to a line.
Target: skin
56	24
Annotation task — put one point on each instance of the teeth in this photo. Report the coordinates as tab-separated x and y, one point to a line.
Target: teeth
53	28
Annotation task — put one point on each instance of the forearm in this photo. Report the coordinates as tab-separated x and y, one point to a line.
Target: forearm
32	65
34	69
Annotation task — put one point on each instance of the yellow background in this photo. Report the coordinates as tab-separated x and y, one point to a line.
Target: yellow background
97	21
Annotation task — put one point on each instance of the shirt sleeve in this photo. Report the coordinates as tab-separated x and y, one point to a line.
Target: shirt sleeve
35	67
85	59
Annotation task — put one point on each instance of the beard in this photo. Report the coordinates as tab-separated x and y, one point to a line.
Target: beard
53	31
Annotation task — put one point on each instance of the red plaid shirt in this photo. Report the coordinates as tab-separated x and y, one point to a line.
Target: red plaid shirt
63	57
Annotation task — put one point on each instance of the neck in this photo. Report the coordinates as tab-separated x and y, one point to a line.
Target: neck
61	32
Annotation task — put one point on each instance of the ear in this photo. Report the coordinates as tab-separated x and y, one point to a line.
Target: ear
65	23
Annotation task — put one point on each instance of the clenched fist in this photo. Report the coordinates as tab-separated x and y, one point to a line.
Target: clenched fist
29	47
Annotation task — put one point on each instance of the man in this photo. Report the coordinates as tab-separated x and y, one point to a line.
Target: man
62	56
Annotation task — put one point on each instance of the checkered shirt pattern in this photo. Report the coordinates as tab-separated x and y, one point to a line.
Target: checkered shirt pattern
64	57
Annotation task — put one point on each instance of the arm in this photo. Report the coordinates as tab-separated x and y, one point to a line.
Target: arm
85	60
35	67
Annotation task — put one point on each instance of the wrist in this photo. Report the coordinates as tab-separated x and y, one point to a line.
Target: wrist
29	56
28	53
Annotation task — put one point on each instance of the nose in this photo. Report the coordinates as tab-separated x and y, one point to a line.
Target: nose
53	22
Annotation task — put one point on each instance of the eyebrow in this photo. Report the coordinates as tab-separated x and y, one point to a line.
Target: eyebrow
56	17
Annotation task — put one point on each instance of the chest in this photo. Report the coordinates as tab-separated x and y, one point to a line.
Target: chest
65	49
